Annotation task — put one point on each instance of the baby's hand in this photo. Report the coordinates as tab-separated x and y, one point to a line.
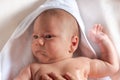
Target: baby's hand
97	35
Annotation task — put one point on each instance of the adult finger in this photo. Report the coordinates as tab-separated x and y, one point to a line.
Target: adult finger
45	77
56	76
69	76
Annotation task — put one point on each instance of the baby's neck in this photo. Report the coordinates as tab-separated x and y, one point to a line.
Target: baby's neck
61	60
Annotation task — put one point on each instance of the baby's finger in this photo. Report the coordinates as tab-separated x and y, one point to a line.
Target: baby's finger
100	27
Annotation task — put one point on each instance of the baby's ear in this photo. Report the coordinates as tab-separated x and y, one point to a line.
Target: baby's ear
74	43
75	40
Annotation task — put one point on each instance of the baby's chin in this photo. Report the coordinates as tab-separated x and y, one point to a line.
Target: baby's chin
44	61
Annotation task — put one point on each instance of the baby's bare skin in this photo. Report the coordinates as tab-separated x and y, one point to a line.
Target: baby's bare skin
81	68
75	66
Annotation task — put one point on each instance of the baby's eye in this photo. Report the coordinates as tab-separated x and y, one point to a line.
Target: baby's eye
48	36
35	36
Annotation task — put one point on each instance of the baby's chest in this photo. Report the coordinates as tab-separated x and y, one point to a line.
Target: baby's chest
43	70
72	69
46	69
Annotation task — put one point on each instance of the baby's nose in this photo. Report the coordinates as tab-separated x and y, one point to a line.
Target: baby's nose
41	41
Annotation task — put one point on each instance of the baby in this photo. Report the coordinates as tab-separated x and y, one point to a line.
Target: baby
55	39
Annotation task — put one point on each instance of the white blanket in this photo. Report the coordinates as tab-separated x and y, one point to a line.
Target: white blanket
13	55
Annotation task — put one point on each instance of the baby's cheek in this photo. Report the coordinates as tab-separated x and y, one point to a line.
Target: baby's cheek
54	46
34	48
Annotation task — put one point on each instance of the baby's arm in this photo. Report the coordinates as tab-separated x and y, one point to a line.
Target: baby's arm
108	63
25	74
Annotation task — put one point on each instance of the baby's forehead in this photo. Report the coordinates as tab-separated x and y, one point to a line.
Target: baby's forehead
62	15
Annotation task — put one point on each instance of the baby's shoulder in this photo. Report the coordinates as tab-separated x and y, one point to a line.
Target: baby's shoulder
82	59
80	63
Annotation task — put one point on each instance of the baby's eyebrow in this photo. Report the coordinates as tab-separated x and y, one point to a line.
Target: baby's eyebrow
34	34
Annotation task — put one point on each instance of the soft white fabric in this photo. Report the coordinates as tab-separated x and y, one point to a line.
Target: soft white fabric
17	52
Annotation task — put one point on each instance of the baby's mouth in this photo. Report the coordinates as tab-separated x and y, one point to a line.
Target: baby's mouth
41	52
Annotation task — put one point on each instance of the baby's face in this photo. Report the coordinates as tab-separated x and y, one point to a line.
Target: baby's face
50	39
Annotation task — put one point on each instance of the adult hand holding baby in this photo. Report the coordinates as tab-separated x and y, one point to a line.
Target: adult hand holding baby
55	76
